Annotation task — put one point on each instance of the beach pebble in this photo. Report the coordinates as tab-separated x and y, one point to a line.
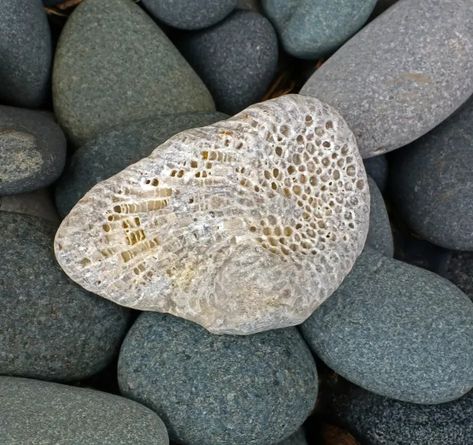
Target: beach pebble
378	169
298	438
38	203
459	270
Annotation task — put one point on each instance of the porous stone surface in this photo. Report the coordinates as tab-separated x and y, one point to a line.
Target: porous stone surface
242	226
26	53
459	270
396	330
378	420
389	84
32	150
211	389
38	203
298	438
113	65
380	236
50	328
378	168
237	59
37	412
310	29
431	183
116	149
189	14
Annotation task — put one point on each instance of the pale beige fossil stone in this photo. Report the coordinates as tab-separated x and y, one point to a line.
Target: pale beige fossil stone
242	226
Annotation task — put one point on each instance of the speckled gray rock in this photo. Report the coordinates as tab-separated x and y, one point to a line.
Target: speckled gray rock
190	14
236	59
26	53
377	167
113	65
310	29
380	236
38	203
459	270
388	82
49	328
378	420
212	389
32	150
37	412
431	182
396	330
116	149
298	438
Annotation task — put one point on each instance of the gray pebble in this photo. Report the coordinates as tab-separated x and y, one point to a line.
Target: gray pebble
459	270
298	438
377	167
38	203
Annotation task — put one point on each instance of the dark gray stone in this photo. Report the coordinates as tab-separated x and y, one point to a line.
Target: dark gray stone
36	412
113	65
190	14
52	2
32	150
50	328
218	389
381	6
311	29
114	150
459	271
38	203
394	81
380	236
377	168
298	438
431	183
236	59
26	53
378	420
396	330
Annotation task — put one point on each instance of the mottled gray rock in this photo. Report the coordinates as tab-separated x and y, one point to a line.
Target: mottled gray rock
26	53
36	412
459	270
431	182
38	203
378	420
238	390
190	14
236	59
310	29
32	150
113	65
377	167
396	330
49	328
116	149
380	236
298	438
395	81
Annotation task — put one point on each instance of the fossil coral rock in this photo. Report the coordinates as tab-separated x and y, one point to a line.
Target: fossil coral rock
242	226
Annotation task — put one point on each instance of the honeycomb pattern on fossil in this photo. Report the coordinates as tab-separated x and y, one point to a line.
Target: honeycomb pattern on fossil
242	226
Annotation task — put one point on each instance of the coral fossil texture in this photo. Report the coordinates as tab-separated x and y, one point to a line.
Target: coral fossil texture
242	226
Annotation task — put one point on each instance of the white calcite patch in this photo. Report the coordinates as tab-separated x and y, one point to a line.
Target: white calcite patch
241	226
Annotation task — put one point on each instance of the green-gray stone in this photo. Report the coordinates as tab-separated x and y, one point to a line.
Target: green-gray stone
113	65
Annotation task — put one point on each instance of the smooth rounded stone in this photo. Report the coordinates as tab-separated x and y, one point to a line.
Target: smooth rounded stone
25	46
114	65
311	29
298	438
237	59
377	167
50	328
38	203
459	270
212	389
380	236
190	14
396	330
116	149
431	183
241	226
32	150
390	85
37	412
378	420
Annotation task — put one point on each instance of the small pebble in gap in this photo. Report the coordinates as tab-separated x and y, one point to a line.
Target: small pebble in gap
310	29
38	203
389	85
236	59
50	328
431	182
32	150
26	52
396	330
377	167
37	412
112	151
298	438
244	389
459	270
113	65
190	14
380	236
377	420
